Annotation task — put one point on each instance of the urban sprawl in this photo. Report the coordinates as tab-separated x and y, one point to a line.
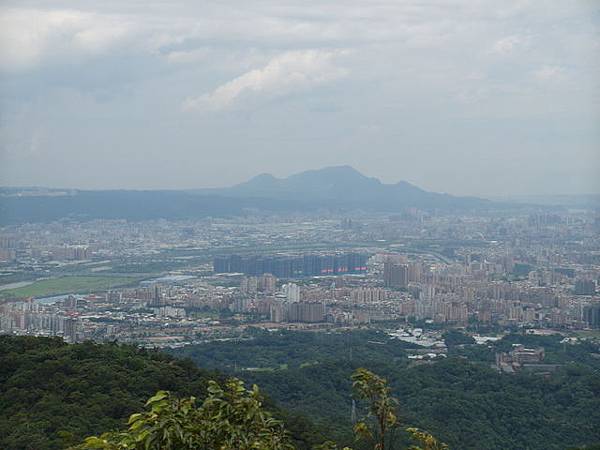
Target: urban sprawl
170	283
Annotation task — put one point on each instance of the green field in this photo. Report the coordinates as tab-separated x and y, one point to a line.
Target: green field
588	334
68	285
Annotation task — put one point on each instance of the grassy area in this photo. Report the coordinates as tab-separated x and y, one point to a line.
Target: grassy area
588	334
68	285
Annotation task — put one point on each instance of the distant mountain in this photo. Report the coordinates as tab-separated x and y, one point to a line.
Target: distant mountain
130	205
585	201
339	188
345	187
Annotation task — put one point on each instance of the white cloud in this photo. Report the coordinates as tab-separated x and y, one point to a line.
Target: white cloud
106	79
29	36
286	73
100	38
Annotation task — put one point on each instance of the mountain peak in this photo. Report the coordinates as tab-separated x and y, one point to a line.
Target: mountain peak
262	178
262	181
344	186
343	170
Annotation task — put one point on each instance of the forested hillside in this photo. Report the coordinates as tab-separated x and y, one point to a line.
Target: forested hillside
461	399
52	395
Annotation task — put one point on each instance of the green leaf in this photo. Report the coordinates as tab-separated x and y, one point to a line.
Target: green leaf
160	395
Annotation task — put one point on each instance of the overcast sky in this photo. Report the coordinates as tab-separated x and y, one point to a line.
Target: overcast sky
460	96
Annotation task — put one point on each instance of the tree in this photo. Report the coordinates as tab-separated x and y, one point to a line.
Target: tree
381	419
455	337
426	441
230	418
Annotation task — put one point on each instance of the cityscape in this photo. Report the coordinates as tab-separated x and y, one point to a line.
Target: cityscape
521	269
300	225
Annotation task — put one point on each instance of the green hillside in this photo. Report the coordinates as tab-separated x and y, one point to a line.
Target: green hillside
52	395
461	399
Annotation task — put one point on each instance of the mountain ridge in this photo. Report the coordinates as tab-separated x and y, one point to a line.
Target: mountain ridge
335	188
347	187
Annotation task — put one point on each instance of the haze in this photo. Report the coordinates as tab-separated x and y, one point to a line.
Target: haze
467	97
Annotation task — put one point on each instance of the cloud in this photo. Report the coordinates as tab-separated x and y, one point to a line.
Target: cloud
30	36
289	72
550	74
187	56
105	80
506	45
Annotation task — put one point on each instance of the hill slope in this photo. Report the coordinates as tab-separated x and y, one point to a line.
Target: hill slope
131	205
52	395
462	401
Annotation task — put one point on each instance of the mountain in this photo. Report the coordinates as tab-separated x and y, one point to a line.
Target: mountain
130	205
584	201
339	188
345	187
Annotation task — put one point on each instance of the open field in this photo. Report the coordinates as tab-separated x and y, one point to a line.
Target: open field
68	285
588	334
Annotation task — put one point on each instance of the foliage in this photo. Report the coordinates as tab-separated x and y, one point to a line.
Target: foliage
425	440
52	394
271	350
456	337
381	407
381	421
462	400
330	445
230	418
309	371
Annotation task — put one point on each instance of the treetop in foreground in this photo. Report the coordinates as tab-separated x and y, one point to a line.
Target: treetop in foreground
232	417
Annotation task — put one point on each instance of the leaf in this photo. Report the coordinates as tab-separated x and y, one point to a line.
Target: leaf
160	395
133	418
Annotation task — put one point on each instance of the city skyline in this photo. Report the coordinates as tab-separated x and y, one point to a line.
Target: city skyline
299	225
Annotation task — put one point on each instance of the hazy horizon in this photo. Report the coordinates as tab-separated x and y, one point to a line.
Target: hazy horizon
477	98
514	196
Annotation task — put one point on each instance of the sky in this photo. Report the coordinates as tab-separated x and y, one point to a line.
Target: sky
469	97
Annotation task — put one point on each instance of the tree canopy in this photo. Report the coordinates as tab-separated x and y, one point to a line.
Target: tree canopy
232	417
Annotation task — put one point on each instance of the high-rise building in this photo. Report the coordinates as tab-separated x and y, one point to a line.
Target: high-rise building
293	266
158	299
414	272
591	315
277	312
70	329
221	264
291	292
267	283
395	275
368	295
585	287
306	312
249	285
